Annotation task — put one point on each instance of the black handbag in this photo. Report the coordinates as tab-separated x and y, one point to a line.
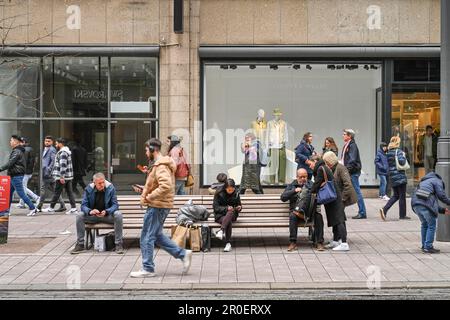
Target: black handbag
206	237
110	241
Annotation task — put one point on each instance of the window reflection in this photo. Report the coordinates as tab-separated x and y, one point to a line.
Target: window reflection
76	87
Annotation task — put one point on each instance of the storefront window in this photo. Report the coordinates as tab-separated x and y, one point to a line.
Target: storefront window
19	87
320	98
133	87
76	87
414	107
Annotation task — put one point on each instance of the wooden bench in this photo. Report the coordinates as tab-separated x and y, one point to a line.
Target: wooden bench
258	211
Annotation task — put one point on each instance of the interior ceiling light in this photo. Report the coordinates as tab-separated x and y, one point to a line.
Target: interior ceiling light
296	66
308	67
273	67
252	66
233	66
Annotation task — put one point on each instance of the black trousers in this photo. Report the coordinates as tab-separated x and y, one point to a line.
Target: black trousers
400	196
78	179
318	228
48	185
340	232
58	191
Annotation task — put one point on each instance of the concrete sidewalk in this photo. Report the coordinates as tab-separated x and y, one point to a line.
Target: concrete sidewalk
38	258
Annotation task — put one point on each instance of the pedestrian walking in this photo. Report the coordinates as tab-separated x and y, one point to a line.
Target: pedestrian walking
63	175
30	159
48	182
16	170
382	169
158	196
177	153
80	164
397	177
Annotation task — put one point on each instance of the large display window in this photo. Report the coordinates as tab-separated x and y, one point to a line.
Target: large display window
291	99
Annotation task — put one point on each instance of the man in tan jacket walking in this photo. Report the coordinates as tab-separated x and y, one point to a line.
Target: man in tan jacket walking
157	196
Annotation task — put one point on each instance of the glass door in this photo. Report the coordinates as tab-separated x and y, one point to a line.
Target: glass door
413	109
128	138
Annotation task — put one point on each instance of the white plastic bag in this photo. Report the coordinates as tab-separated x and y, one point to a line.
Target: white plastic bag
99	244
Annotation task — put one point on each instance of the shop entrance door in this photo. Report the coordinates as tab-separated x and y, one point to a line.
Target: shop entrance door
127	152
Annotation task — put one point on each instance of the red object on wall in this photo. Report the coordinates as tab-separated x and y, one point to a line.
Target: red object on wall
5	189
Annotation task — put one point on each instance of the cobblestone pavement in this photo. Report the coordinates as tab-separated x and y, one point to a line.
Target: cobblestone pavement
259	260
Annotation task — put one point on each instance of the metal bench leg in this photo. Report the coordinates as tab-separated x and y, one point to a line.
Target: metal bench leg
89	239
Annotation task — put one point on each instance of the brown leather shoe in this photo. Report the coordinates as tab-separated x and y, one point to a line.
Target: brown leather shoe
292	246
320	247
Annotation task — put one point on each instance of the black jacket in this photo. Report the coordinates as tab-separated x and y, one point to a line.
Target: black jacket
221	202
352	161
290	195
16	162
334	210
30	159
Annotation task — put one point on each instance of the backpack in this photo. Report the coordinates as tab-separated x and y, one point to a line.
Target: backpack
182	166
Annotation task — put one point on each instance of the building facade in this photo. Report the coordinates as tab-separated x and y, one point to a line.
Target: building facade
109	74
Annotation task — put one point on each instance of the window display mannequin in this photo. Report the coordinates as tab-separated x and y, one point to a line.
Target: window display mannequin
259	127
277	137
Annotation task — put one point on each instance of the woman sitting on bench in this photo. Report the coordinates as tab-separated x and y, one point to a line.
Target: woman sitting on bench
227	205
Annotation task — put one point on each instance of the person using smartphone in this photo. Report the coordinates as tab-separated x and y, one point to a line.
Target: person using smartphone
227	205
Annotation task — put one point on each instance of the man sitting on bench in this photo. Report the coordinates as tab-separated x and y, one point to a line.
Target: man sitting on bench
99	205
298	193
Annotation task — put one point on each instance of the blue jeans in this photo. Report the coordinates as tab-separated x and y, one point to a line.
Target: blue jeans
152	233
428	229
17	185
179	187
383	185
361	205
29	193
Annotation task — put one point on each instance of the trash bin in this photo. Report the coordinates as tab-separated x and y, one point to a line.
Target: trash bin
443	228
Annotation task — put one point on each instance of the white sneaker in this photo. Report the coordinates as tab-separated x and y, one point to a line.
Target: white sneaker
187	261
20	206
32	213
48	210
342	247
332	244
72	211
219	234
37	200
386	198
142	274
227	247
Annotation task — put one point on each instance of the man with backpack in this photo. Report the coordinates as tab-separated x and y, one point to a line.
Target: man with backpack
425	203
176	152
